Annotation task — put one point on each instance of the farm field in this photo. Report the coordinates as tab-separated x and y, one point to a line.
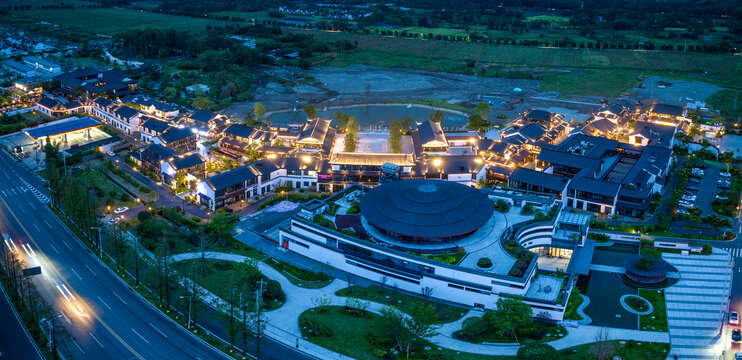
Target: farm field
114	20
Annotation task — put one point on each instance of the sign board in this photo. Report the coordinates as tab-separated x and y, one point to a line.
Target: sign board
32	271
324	177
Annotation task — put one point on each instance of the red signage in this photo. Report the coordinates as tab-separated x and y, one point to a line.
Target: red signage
324	176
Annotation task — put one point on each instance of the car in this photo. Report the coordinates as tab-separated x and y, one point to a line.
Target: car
738	355
111	153
733	318
121	209
736	335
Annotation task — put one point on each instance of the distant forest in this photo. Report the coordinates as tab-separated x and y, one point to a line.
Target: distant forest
696	16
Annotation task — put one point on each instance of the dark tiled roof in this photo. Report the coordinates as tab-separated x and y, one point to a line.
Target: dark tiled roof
666	109
49	103
126	112
230	178
160	152
431	131
315	129
203	116
239	130
176	134
103	102
542	115
154	124
459	164
595	186
72	104
659	135
186	161
538	178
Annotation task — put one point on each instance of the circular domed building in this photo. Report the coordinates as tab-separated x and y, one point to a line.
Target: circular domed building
426	211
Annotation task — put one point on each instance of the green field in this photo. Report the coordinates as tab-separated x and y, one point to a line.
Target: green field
560	20
727	101
257	15
115	20
443	31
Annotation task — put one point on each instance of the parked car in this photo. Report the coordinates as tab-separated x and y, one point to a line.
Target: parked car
682	211
736	335
738	355
111	153
733	318
121	209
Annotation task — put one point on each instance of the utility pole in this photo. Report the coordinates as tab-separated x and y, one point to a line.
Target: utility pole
258	325
136	258
100	241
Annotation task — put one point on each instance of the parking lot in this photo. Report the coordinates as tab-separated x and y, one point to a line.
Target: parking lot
702	187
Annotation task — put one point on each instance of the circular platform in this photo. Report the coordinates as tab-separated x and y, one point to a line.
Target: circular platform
426	210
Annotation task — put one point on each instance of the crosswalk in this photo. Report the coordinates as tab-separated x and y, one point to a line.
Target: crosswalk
39	195
735	252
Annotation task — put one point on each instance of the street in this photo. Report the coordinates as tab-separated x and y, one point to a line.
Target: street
106	319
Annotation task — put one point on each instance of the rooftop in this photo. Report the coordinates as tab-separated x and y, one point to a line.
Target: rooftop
61	127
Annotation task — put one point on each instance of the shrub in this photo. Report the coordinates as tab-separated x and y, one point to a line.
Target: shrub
537	351
125	197
144	216
707	249
484	262
502	206
145	189
473	328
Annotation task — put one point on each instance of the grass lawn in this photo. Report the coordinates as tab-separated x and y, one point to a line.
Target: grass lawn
452	259
659	323
107	192
300	277
348	335
404	302
629	350
574	302
220	278
589	81
115	20
437	103
724	102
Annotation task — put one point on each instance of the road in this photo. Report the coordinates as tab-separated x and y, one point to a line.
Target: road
15	343
104	318
116	323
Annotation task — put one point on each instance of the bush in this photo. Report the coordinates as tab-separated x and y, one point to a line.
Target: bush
125	197
502	206
472	329
533	351
707	249
484	262
145	189
144	216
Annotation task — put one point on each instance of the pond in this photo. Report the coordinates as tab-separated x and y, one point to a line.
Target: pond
371	116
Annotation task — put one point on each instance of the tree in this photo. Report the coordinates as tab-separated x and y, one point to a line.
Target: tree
395	137
403	330
220	226
477	122
718	222
510	315
258	110
311	111
483	109
437	116
602	348
537	351
406	122
202	102
341	119
351	134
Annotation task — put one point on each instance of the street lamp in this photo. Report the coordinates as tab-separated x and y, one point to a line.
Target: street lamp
190	300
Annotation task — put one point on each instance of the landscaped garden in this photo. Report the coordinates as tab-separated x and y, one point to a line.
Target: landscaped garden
657	320
575	300
221	277
637	304
404	302
305	278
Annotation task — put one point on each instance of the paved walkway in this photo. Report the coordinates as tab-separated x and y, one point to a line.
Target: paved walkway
299	300
697	303
586	320
608	268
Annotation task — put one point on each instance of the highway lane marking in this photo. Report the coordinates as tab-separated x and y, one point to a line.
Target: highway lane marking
13	190
56	271
78	275
55	249
4	194
96	340
67	245
32	206
104	303
78	346
156	329
145	340
37	227
119	297
91	270
47	224
22	208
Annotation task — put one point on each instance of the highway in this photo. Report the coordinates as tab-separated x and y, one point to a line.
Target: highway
103	317
115	322
15	342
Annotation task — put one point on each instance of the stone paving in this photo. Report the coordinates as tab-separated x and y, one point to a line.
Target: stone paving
697	303
299	300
